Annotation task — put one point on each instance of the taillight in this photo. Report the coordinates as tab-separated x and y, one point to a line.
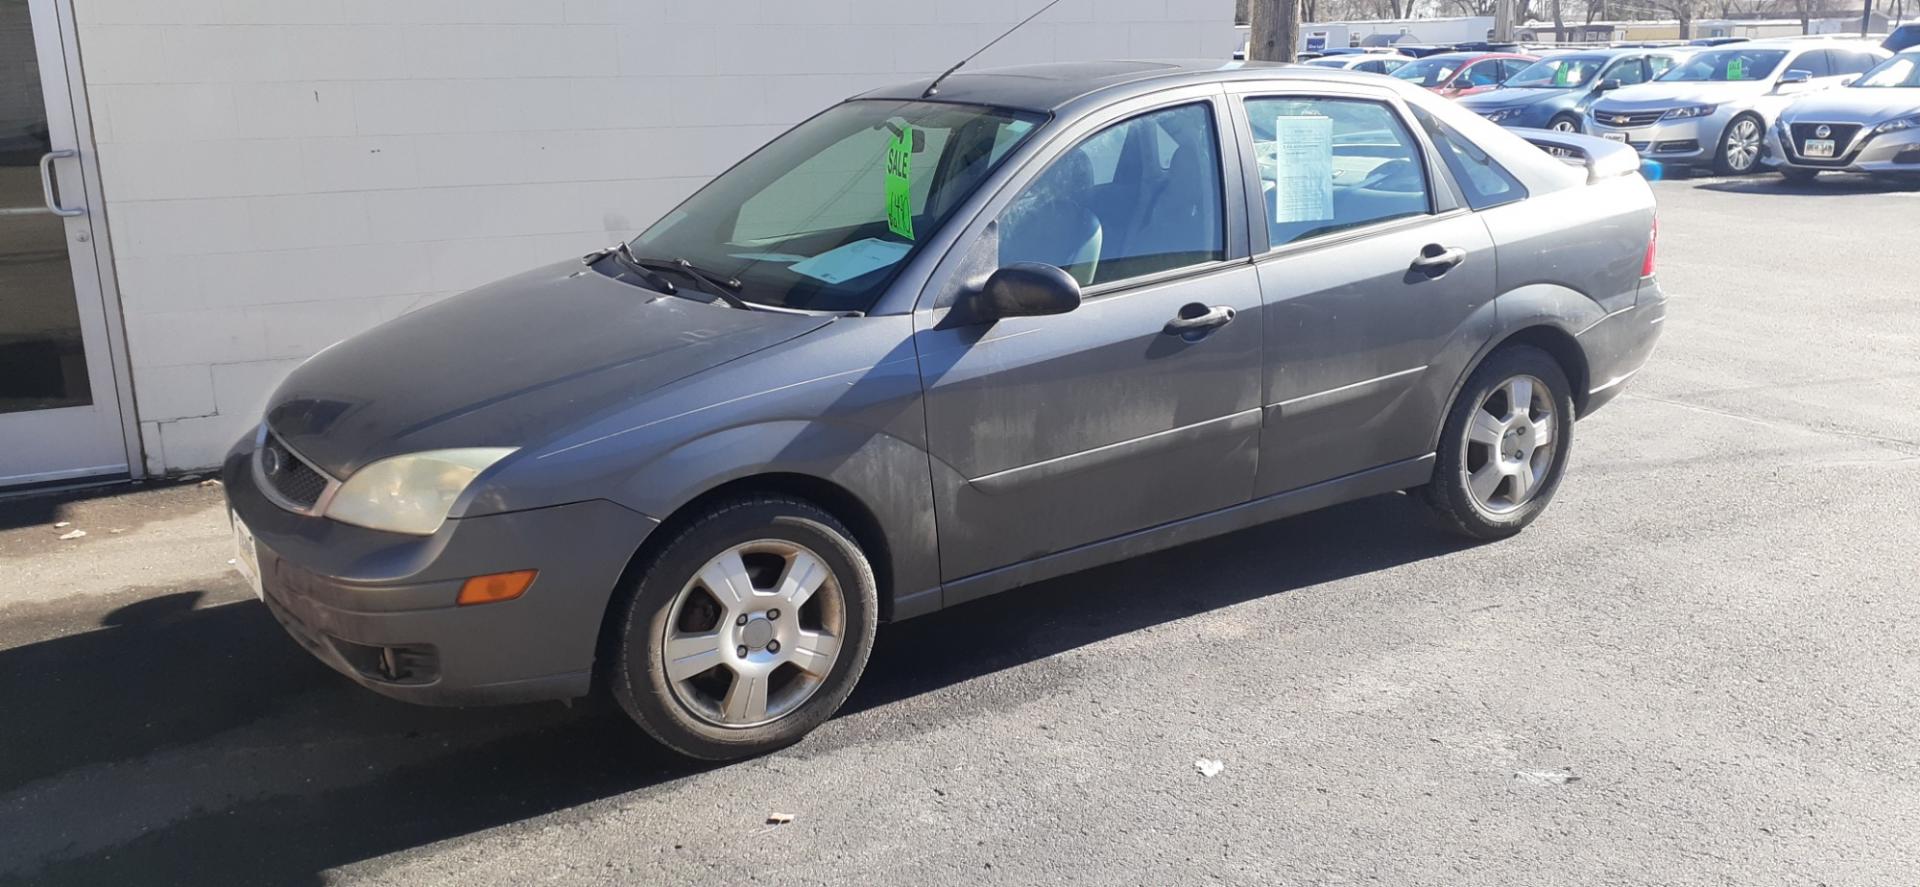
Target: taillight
1653	241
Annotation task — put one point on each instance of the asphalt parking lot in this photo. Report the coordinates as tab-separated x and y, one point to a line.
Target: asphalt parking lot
1700	667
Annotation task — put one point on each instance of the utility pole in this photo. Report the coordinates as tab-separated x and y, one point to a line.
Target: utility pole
1866	18
1273	30
1503	21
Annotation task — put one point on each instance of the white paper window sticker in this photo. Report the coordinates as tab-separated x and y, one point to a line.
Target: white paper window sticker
1303	169
852	260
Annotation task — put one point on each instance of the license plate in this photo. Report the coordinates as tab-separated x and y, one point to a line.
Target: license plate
1817	148
1614	136
246	555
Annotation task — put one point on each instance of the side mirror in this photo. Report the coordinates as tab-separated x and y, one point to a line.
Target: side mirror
1796	76
1025	289
1608	85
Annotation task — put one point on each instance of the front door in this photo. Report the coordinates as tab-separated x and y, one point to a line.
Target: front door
1140	407
59	410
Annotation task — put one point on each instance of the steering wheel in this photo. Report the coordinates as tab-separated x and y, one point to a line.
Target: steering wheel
1398	174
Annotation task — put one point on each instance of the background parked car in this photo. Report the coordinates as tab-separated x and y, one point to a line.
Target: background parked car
1902	38
1715	107
1872	126
1371	62
1455	74
1555	92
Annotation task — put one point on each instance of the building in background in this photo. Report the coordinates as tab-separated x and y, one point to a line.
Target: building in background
196	195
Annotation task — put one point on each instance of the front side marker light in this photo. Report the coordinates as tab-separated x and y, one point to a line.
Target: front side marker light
496	587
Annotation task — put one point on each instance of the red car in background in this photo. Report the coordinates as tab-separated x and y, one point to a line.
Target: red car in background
1454	74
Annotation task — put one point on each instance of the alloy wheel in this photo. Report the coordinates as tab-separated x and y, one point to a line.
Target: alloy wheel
1565	125
754	634
1509	446
1743	144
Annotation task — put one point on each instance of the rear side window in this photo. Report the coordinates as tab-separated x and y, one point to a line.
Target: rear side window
1510	67
1330	164
1487	183
1627	71
1659	64
1847	61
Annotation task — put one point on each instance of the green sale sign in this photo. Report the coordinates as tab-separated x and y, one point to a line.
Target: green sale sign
900	182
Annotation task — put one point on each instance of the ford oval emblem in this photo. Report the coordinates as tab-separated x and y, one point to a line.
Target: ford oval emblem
270	463
1822	131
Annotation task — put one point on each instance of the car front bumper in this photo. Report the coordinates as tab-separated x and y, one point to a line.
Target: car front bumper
1892	153
1693	140
381	607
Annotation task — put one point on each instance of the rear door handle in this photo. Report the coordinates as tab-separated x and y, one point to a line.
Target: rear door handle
1435	260
46	182
1195	317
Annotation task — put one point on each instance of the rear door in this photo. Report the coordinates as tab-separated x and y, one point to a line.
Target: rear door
1371	270
1052	432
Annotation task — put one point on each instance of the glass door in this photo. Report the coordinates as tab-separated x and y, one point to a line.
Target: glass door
59	405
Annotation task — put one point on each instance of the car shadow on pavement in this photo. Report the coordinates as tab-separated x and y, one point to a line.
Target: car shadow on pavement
1827	185
201	746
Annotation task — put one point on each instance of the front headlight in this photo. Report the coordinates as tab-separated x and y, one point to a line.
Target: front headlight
1689	112
412	493
1502	115
1897	124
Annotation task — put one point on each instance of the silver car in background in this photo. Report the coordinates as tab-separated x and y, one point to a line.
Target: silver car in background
1715	109
1873	126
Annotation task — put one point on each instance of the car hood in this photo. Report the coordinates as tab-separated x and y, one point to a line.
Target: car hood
1512	97
1859	105
1646	96
510	364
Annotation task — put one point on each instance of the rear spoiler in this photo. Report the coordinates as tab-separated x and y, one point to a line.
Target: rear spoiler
1602	159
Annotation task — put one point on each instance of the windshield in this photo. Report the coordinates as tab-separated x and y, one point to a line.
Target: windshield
1428	72
1727	65
1902	70
1561	73
823	217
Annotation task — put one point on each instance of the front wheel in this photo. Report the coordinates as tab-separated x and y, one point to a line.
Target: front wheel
1565	123
1504	446
747	630
1739	150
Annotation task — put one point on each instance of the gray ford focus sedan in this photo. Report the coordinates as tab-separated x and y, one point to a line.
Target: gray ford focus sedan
940	341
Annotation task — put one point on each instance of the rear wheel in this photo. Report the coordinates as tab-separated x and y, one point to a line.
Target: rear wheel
1739	151
748	630
1504	446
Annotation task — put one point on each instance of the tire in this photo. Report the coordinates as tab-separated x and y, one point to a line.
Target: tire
1564	123
1459	495
1749	133
1798	176
710	713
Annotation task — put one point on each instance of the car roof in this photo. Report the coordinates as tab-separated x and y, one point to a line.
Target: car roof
1050	87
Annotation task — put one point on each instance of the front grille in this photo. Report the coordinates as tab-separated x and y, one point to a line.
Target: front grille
1619	119
1841	133
290	476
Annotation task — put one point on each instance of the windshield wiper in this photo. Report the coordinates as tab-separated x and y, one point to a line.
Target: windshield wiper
624	255
726	288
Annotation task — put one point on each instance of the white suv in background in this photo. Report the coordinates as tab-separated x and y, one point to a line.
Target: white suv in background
1716	107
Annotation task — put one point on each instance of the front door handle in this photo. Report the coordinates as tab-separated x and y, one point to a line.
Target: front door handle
46	183
1196	318
1435	260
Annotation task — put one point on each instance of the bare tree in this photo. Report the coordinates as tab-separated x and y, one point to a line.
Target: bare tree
1273	30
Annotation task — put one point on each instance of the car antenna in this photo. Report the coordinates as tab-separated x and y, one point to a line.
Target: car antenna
934	87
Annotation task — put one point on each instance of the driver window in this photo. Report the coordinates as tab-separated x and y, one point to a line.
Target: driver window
1627	72
1329	164
1139	197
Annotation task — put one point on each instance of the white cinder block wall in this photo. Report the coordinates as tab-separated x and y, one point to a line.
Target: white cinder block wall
281	174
